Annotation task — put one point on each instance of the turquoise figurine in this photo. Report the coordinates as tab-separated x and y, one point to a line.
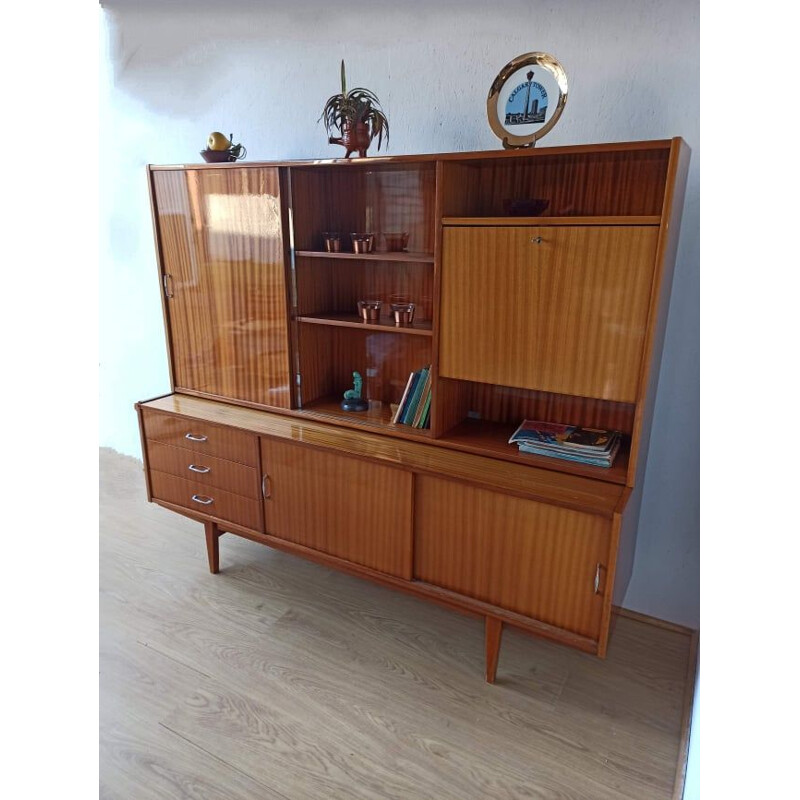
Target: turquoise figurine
352	397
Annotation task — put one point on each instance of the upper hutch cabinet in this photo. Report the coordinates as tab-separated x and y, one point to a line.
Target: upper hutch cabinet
221	247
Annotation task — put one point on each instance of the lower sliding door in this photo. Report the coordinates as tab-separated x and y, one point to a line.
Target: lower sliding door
346	507
539	560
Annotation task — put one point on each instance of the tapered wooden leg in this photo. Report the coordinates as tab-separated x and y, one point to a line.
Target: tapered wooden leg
494	630
212	545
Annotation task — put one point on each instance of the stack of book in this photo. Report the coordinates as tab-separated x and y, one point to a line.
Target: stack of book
415	406
585	445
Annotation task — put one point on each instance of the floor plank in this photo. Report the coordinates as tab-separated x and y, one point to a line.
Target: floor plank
279	678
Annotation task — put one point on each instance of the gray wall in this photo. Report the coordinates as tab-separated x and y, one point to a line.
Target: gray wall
173	72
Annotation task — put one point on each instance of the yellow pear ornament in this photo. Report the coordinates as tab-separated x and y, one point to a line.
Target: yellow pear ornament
218	141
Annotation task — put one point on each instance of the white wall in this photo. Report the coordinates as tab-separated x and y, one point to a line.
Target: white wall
176	71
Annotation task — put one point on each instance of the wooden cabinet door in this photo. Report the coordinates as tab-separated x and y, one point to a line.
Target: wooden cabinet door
347	507
222	257
559	309
536	559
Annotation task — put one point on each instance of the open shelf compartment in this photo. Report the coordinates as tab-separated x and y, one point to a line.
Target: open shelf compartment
480	418
329	355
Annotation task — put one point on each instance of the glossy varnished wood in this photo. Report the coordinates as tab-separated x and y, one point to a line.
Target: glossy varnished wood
494	631
431	456
212	546
206	501
325	287
293	681
203	470
200	435
572	222
404	257
371	200
530	558
377	417
630	150
567	307
354	321
330	354
572	334
491	439
220	238
339	505
575	183
659	306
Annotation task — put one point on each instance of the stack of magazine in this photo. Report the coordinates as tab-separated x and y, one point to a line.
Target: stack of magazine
415	406
585	445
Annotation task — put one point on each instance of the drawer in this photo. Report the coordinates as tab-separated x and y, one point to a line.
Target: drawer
206	500
203	469
201	437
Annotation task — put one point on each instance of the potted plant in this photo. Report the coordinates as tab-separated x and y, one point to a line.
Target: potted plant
358	117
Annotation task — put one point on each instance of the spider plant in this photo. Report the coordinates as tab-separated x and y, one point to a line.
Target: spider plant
347	109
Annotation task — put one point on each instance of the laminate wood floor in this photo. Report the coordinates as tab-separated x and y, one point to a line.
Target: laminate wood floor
279	678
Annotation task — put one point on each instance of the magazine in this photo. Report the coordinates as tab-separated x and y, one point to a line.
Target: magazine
571	442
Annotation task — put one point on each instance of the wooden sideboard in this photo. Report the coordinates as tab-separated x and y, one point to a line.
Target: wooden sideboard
559	317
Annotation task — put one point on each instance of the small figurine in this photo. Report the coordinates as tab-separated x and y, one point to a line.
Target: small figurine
352	397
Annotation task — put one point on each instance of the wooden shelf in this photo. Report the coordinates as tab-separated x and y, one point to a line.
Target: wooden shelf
377	416
385	325
420	258
491	439
512	221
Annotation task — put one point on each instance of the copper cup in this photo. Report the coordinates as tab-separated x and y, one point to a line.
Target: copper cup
403	313
332	242
362	242
369	310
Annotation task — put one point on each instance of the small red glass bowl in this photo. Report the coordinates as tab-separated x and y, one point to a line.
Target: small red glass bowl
396	242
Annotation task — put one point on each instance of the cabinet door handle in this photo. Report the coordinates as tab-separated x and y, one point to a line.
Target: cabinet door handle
597	578
266	486
167	283
204	501
192	438
536	239
201	470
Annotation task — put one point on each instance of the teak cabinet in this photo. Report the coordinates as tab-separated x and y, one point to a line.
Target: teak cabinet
559	317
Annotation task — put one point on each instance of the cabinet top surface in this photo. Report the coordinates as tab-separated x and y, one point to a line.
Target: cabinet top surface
583	494
539	152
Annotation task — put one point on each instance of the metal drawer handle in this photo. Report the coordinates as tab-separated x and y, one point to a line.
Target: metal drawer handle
167	283
192	438
536	240
204	501
266	486
201	470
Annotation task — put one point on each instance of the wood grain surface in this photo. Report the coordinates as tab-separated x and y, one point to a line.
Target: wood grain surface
201	436
204	500
534	559
220	242
359	200
339	505
204	470
283	680
566	307
570	491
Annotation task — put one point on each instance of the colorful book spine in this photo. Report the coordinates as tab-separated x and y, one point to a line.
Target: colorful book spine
426	412
423	399
412	403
